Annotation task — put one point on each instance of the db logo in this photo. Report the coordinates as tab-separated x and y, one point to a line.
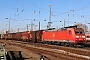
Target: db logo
53	35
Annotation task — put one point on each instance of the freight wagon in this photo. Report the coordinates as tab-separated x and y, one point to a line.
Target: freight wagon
25	36
0	36
11	36
20	36
36	36
4	36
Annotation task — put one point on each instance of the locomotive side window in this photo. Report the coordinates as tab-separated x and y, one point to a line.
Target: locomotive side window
70	32
79	32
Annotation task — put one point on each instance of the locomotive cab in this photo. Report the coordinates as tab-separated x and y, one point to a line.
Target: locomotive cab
76	36
79	35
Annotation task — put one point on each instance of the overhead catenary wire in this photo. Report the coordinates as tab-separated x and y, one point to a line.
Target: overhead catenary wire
36	6
61	13
63	6
43	10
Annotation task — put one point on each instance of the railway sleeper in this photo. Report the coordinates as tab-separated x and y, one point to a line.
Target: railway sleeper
78	45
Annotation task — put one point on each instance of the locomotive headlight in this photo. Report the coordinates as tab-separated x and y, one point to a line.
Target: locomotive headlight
77	36
83	36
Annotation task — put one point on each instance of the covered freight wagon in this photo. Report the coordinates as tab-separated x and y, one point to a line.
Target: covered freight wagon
11	36
4	36
36	36
18	36
0	36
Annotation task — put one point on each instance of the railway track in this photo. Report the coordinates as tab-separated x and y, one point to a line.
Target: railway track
57	52
86	50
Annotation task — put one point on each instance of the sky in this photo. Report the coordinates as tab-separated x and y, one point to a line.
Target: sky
22	12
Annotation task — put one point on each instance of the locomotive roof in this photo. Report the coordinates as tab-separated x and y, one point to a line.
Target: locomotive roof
71	27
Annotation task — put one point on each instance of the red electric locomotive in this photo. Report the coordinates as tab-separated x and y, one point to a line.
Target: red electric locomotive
69	36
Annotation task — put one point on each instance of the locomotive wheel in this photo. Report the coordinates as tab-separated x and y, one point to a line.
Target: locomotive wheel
66	44
61	43
71	45
82	45
75	45
52	42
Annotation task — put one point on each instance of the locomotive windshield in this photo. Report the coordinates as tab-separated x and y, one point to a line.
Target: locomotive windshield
79	32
